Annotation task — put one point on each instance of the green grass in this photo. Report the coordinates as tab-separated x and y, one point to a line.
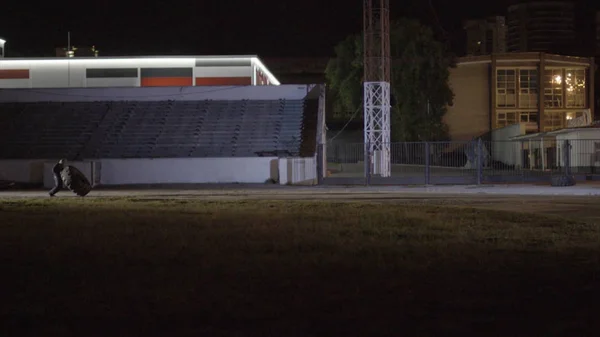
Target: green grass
133	267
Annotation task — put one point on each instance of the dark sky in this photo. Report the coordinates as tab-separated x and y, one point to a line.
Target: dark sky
269	28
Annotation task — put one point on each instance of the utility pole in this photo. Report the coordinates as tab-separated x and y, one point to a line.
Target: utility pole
377	85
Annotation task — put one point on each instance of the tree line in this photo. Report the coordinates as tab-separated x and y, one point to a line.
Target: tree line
420	68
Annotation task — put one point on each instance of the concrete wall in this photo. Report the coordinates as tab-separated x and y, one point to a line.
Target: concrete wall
298	171
506	150
155	94
170	171
470	115
38	171
185	170
23	171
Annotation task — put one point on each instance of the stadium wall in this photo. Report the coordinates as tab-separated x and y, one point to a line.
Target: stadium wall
22	171
186	170
108	172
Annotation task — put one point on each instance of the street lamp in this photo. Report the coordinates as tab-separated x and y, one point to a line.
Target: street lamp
2	42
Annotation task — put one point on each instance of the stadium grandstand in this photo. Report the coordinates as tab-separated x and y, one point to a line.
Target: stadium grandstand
255	132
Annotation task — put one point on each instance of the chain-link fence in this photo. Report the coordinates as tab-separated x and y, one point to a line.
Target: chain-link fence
474	162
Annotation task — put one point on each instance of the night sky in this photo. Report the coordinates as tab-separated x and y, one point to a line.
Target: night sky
268	28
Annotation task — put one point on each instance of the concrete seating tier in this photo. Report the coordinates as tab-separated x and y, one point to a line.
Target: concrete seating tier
163	129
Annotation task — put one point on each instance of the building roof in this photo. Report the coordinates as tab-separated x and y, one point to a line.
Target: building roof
250	59
221	57
525	57
594	126
530	136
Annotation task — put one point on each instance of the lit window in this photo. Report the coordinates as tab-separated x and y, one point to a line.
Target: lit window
553	92
528	88
506	88
575	87
573	115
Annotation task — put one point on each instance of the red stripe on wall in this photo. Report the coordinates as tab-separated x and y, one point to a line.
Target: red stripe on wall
166	82
14	74
202	81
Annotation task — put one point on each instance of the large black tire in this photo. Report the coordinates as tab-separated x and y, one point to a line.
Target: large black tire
75	181
562	181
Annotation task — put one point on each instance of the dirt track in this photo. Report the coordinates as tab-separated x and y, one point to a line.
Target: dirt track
581	202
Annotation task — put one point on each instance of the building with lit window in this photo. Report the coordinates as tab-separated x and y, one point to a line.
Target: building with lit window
542	90
486	36
146	71
541	26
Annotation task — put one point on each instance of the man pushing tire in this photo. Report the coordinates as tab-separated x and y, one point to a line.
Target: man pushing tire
70	177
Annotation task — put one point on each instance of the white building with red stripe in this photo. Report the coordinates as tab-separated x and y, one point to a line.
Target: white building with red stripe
157	71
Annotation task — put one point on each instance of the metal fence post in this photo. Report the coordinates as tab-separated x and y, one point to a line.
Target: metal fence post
320	168
479	162
367	159
567	154
427	164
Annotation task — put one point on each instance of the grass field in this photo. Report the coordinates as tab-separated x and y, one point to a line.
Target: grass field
133	267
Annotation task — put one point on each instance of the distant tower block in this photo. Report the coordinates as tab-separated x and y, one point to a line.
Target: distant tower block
377	86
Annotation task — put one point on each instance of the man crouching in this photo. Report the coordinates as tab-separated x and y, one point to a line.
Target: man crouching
58	183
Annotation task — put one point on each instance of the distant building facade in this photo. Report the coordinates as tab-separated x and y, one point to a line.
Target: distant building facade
541	26
486	36
544	91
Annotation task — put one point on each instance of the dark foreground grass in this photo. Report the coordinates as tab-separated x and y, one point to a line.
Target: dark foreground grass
125	267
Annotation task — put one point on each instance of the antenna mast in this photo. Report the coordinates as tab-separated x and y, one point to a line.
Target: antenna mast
377	86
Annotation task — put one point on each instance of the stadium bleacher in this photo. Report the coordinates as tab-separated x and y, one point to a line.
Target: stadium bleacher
164	129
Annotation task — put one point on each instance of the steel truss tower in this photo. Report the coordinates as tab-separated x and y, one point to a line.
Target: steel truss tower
377	86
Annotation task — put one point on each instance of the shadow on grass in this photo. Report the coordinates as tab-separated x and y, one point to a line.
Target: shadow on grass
183	267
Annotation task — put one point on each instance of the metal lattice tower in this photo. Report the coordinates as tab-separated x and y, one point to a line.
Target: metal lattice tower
377	85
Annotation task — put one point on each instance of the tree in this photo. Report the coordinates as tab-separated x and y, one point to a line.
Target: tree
420	72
